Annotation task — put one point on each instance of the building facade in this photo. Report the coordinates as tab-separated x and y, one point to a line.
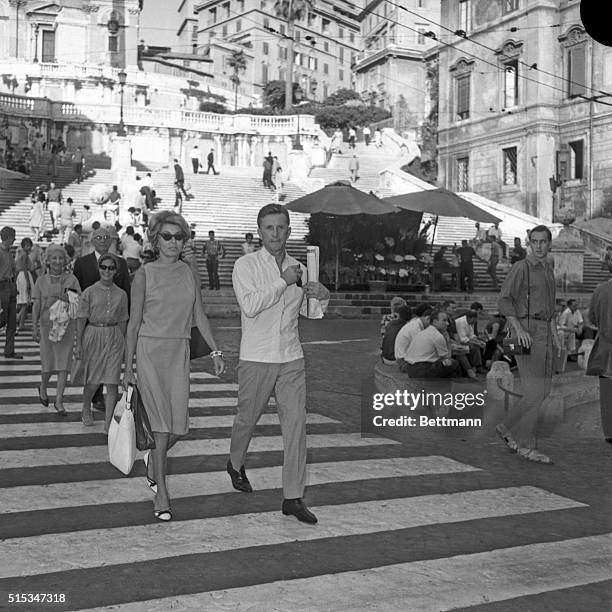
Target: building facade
390	71
524	115
326	43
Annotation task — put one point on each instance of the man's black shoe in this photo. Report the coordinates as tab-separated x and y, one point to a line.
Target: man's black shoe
298	508
240	482
13	356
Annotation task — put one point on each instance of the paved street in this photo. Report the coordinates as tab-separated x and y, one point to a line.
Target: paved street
423	519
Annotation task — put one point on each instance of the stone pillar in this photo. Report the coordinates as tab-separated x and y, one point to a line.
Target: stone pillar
568	253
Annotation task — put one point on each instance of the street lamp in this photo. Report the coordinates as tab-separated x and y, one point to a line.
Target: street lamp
298	144
122	78
36	30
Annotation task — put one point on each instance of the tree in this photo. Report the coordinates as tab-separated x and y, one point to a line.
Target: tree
341	96
290	11
238	63
274	94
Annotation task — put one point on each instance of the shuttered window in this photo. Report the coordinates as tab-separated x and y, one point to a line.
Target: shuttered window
510	166
463	96
462	170
576	73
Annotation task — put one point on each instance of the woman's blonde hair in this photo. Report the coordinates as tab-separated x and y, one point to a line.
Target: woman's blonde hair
55	248
157	221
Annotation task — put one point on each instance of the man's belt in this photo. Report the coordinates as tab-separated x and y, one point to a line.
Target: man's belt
102	324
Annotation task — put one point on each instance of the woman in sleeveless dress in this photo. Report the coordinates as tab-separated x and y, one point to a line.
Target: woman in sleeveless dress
165	300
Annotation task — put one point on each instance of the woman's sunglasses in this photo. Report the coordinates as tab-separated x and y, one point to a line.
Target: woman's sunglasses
110	268
168	236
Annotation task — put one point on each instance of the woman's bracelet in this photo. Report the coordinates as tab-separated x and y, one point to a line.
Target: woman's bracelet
214	354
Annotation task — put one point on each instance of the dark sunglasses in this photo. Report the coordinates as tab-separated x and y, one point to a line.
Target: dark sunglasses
102	237
168	236
103	267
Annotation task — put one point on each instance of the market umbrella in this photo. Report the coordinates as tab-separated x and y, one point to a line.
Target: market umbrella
441	202
340	201
11	174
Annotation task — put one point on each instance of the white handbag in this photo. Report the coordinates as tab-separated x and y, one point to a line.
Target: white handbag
122	434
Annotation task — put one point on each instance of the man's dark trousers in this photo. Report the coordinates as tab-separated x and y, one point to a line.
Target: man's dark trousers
436	369
8	301
466	270
212	267
196	164
211	166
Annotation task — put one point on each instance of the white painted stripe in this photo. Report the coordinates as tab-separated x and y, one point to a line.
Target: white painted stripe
79	390
194	402
76	455
337	341
125	490
32	430
435	585
36	377
65	551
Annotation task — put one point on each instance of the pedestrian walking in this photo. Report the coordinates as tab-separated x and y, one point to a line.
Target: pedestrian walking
54	199
378	138
213	252
8	292
271	359
248	246
24	282
352	137
75	240
78	160
166	300
179	177
493	261
210	160
52	161
66	219
37	216
366	135
56	348
466	256
527	300
196	159
600	359
354	168
267	171
100	345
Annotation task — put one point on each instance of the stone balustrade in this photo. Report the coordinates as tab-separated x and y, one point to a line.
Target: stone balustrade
286	125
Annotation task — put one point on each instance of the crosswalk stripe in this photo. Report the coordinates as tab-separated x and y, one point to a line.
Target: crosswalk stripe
32	430
125	490
187	448
36	377
57	552
70	391
434	585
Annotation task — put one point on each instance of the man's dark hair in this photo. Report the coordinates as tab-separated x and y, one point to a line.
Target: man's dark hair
78	227
272	209
448	303
476	306
248	235
435	315
211	233
471	315
571	301
115	187
542	228
69	200
7	232
423	310
95	225
404	313
129	230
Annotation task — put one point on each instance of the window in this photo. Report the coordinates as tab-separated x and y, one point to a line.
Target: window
283	53
353	59
113	44
266	23
224	30
420	3
462	90
510	166
282	29
326	47
341	54
465	10
462	168
238	25
264	74
48	46
340	32
352	37
576	72
325	91
325	23
341	75
509	5
312	20
281	74
511	84
420	36
576	159
240	6
297	58
194	33
266	48
312	63
297	35
226	9
212	16
325	68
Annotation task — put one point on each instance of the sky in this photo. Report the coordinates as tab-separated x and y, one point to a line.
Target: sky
159	22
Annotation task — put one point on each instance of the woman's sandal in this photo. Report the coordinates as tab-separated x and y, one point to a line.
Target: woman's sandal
531	454
163	515
150	482
43	400
505	435
61	411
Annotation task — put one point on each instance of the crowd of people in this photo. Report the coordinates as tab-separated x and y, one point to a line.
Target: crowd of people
435	341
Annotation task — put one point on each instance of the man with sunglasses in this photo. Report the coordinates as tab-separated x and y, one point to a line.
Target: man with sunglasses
87	272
